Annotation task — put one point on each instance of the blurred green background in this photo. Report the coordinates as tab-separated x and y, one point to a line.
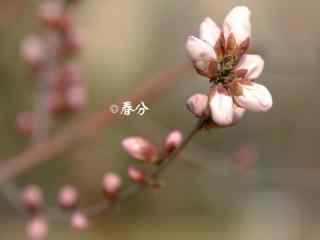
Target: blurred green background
127	40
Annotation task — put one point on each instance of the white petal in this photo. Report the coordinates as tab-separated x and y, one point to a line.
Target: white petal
255	97
199	50
238	113
221	106
201	53
254	65
209	31
238	23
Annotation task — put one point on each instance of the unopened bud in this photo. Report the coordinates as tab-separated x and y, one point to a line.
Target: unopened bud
37	228
173	141
25	123
76	97
136	174
140	149
33	51
79	221
111	185
54	15
32	198
197	104
68	197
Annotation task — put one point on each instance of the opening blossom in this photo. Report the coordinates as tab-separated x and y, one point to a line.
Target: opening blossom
220	55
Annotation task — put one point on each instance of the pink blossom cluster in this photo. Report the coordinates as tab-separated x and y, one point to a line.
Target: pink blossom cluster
220	55
50	57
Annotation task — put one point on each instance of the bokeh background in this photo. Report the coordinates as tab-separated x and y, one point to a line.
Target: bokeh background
206	196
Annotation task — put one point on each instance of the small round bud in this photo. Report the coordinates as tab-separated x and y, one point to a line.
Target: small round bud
79	221
68	197
76	97
37	228
33	51
111	185
25	123
173	141
140	149
197	104
32	198
243	158
136	174
54	15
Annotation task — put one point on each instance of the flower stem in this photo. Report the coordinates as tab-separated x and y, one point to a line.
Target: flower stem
135	188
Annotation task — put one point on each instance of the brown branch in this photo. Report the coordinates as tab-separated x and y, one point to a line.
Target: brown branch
135	188
40	152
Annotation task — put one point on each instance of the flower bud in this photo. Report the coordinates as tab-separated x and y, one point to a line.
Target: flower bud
173	141
68	197
198	105
32	198
76	97
136	174
37	228
33	51
140	149
111	185
54	15
25	123
79	221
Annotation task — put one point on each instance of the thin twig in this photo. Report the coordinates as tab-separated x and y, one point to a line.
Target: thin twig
38	153
135	188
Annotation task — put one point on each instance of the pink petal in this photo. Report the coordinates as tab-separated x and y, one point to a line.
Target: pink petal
238	23
255	97
209	31
253	64
221	106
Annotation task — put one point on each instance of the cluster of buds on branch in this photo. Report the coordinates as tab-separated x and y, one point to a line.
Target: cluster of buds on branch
33	203
147	153
220	56
59	80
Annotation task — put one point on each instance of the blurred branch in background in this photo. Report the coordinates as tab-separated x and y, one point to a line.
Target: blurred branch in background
152	88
